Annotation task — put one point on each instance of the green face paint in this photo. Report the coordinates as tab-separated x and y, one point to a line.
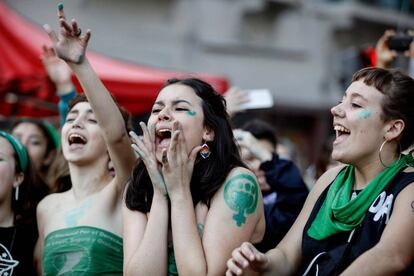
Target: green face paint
73	216
241	194
191	113
364	114
200	228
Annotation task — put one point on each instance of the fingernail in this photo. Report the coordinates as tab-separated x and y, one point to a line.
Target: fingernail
60	6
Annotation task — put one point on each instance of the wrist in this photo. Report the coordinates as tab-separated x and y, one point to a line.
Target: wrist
159	195
64	88
179	195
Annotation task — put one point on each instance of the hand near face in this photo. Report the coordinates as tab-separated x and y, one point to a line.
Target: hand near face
69	44
246	139
145	148
177	163
246	258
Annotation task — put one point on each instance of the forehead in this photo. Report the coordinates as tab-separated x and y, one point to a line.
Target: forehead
5	147
175	92
369	93
27	128
81	107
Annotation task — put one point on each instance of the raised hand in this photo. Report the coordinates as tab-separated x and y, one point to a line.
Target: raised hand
177	163
247	140
246	258
70	44
57	69
384	54
410	52
145	148
235	98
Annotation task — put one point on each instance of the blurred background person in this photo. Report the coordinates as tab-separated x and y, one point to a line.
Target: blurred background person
281	183
20	192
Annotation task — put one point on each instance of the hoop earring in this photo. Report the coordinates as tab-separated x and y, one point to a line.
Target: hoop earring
205	151
379	154
16	193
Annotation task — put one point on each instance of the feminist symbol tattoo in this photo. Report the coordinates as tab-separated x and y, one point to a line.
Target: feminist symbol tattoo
241	195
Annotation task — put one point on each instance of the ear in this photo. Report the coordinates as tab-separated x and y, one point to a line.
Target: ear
393	129
49	158
18	179
208	134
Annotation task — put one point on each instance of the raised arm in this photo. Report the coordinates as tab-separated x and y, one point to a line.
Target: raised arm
70	45
60	74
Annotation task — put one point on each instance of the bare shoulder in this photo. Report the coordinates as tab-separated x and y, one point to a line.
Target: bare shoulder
51	202
240	182
240	172
326	179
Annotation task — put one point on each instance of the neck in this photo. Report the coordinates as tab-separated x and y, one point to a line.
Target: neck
364	174
6	214
89	179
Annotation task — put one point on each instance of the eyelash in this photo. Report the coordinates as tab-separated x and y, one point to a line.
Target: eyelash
355	105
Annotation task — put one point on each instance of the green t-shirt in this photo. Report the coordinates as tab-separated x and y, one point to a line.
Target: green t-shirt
82	250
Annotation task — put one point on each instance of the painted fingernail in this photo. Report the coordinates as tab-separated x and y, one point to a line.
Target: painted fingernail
60	6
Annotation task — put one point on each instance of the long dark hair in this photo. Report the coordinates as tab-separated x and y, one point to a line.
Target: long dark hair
208	174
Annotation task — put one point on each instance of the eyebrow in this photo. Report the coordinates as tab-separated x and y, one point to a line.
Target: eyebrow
75	111
174	102
356	95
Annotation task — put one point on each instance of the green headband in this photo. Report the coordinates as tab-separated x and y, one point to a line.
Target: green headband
21	152
53	133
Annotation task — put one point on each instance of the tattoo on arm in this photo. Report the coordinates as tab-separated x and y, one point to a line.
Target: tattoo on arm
412	206
241	195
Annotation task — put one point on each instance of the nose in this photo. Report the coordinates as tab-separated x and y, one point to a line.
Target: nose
164	114
78	122
337	110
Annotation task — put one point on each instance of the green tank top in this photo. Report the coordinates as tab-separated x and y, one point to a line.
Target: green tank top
82	250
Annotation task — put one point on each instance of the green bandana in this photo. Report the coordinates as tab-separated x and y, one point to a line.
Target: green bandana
22	156
338	212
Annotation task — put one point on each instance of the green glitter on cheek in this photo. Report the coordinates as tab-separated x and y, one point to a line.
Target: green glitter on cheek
364	114
191	113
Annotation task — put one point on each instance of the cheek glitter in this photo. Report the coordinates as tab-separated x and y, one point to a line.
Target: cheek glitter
364	114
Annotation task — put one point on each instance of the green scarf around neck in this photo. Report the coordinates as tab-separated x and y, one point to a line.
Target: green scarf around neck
339	213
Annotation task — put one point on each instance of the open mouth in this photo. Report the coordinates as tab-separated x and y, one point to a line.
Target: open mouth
341	133
341	130
77	139
163	137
